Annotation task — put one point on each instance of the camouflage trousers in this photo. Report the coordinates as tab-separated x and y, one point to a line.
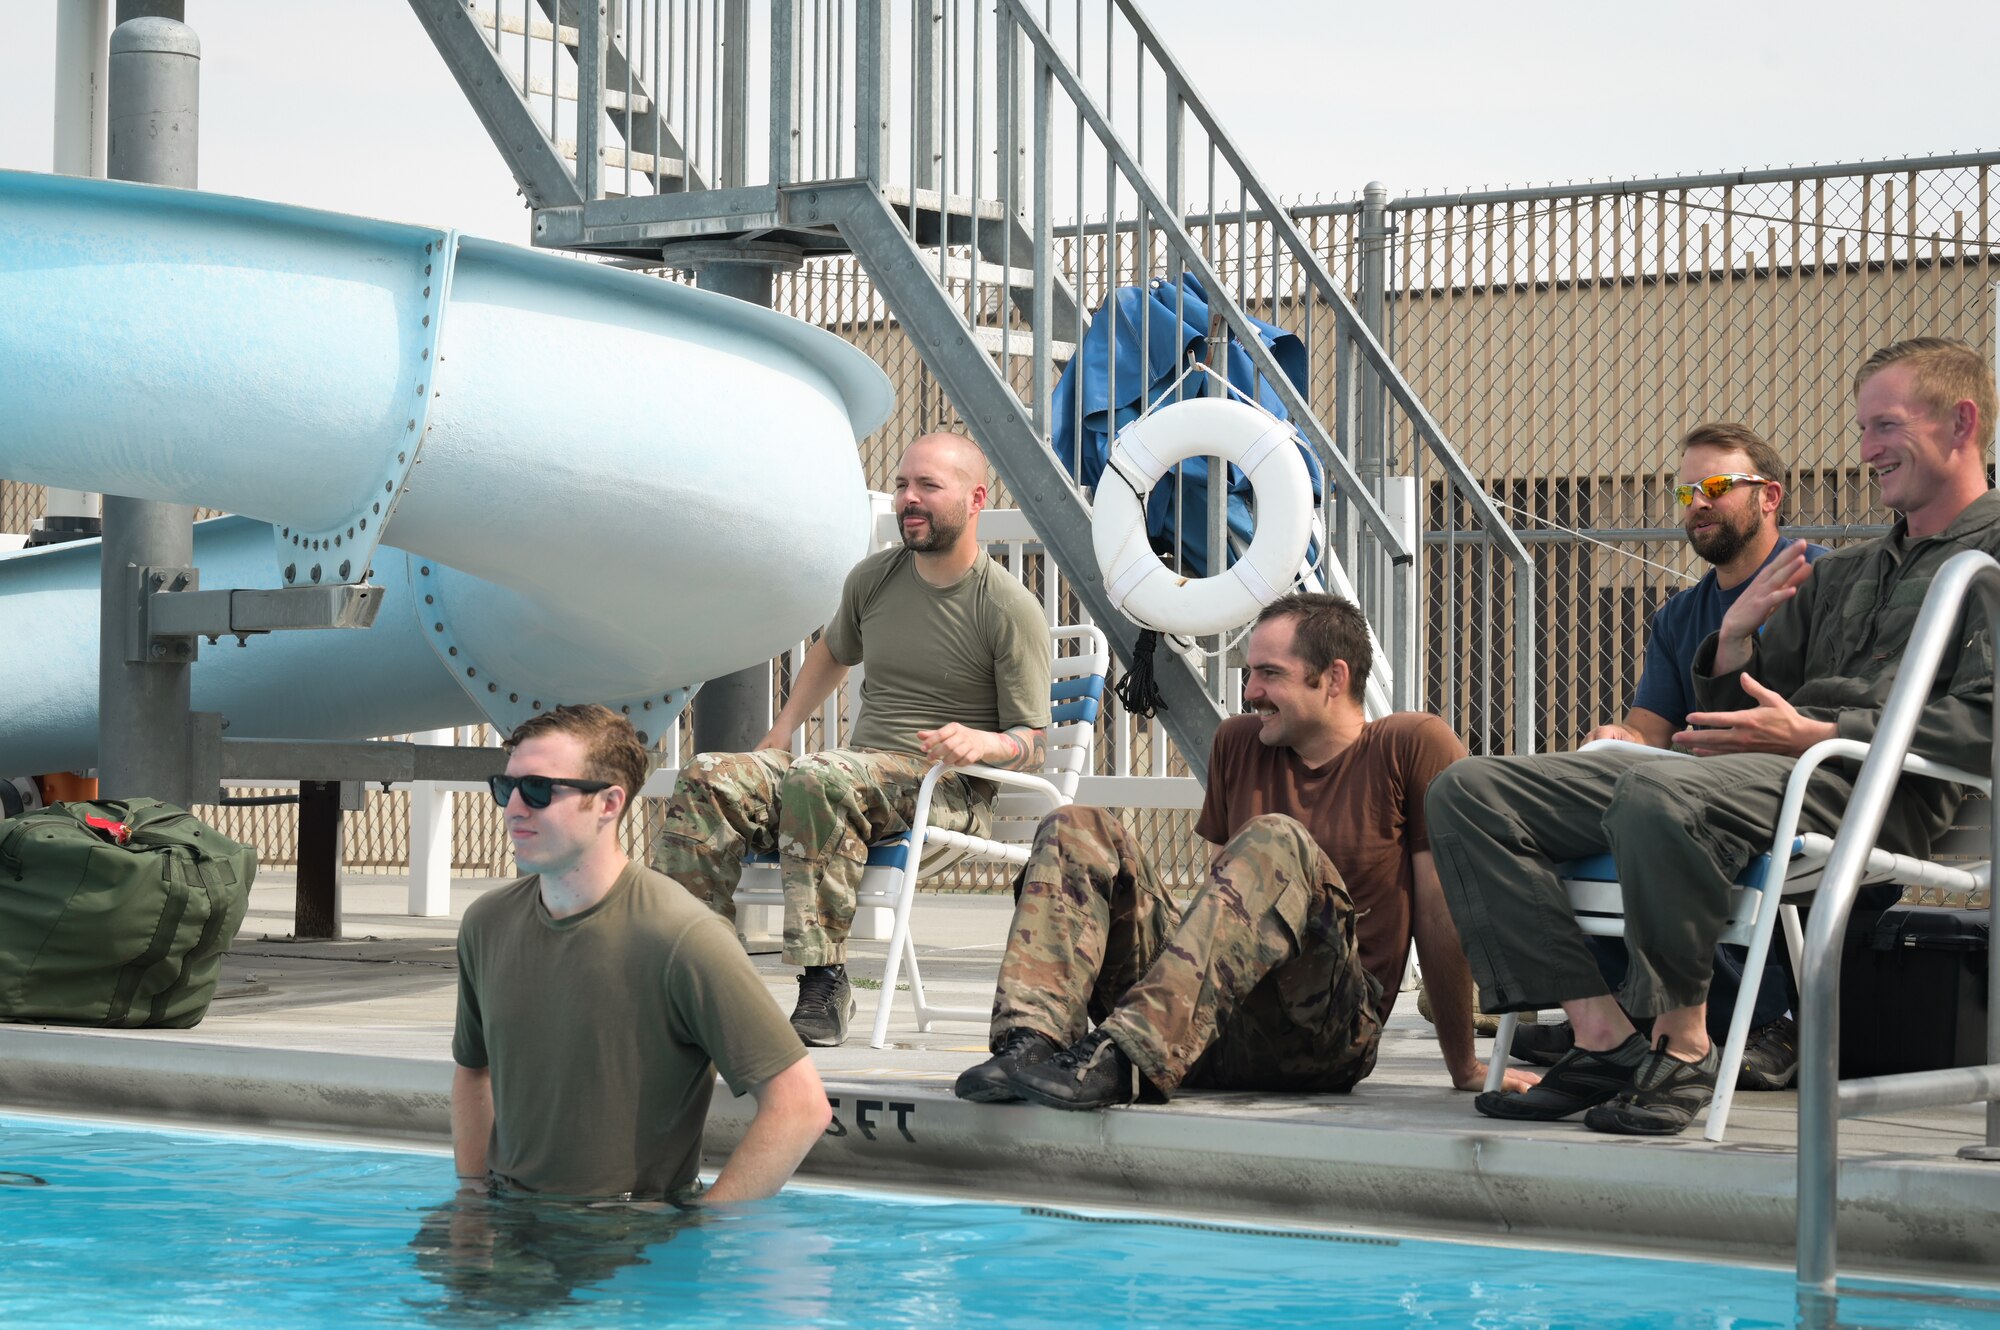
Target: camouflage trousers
818	814
1257	987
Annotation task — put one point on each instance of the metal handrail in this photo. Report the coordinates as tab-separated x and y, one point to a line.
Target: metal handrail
1367	384
1183	249
1823	1100
1348	321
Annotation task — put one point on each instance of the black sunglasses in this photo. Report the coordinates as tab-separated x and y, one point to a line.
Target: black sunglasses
536	791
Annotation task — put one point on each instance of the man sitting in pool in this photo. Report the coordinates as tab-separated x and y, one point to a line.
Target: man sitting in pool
958	661
597	999
1286	963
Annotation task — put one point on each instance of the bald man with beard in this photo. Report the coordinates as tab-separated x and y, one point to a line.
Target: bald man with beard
958	659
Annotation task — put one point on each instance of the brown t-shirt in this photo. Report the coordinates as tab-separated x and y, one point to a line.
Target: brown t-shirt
1365	808
604	1032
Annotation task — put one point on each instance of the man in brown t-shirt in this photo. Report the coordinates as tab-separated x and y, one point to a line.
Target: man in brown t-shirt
597	998
1287	962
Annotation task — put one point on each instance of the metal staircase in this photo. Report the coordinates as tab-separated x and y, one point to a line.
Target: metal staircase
937	142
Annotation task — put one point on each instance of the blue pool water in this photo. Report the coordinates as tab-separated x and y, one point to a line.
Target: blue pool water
117	1226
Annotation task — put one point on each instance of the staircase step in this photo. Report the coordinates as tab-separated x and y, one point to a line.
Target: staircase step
614	98
988	274
537	29
1020	342
615	159
901	197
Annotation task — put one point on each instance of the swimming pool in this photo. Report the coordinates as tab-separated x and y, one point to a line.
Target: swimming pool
112	1225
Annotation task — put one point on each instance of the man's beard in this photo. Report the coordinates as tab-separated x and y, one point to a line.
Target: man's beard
941	532
1724	541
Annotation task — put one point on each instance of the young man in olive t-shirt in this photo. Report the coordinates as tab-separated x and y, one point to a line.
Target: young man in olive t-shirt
1287	962
596	1000
958	659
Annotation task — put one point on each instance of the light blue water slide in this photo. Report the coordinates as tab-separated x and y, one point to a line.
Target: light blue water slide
573	483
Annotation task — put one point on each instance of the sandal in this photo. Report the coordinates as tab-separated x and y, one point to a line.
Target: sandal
1579	1079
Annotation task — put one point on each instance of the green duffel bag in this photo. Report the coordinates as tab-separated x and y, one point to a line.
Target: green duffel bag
116	913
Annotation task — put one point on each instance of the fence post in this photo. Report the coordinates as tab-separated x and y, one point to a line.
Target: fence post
1372	461
1372	580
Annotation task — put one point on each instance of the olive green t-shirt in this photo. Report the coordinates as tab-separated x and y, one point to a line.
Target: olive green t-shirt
603	1032
976	652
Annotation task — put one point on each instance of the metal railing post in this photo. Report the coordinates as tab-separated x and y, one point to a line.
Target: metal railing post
871	90
590	99
1044	293
926	90
785	99
1819	998
732	169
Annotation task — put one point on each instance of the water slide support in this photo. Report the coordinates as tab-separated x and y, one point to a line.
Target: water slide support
145	736
732	713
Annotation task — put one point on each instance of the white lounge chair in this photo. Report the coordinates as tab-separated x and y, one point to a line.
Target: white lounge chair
1025	798
1792	866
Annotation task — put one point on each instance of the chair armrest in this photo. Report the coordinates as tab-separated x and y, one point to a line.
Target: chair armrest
1818	755
1019	779
1024	780
1827	749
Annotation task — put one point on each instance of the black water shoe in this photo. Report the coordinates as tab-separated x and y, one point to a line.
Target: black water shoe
826	1004
1663	1098
1580	1079
1093	1072
992	1081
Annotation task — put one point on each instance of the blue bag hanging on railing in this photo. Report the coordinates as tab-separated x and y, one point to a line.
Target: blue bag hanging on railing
1161	331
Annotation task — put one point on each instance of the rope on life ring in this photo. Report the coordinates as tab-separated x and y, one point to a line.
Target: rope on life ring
1144	589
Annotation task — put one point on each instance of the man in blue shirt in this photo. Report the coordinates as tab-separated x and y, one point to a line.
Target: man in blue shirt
1731	492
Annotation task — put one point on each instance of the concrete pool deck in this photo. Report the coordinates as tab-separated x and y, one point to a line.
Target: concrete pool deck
353	1036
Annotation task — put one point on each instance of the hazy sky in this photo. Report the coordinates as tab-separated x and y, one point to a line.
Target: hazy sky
343	104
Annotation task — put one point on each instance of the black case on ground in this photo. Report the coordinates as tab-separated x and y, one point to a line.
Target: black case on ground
1913	990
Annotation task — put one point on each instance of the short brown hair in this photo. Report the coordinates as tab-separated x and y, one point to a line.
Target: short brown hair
1729	435
1945	372
611	748
1325	629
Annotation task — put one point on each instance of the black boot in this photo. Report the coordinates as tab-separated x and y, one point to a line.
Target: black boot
1091	1073
992	1081
826	1004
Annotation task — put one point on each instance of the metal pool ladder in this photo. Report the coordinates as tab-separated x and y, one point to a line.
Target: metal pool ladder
1823	1099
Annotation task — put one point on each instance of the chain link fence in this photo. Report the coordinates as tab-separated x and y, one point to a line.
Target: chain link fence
21	506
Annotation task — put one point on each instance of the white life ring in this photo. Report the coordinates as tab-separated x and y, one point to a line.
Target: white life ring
1146	590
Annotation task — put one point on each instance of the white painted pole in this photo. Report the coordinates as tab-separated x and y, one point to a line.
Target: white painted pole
430	839
1400	499
83	59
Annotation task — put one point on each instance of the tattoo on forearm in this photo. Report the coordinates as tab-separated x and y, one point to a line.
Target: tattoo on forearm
1030	749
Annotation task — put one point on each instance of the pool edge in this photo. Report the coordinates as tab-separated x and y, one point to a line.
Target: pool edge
1899	1216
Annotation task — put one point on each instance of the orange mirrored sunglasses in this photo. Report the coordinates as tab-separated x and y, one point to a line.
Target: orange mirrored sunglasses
1714	487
